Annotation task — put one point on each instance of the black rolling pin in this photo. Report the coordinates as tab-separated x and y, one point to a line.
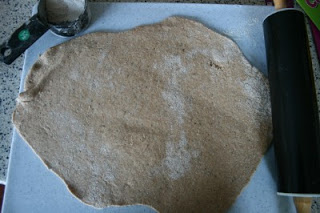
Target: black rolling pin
294	106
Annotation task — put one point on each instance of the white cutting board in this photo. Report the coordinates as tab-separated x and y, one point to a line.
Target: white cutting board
31	187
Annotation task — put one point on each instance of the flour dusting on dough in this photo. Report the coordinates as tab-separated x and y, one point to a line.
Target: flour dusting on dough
175	103
178	158
173	94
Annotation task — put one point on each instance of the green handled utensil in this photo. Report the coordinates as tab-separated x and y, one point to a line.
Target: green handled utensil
312	8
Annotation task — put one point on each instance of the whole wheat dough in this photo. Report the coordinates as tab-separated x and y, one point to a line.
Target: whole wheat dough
169	115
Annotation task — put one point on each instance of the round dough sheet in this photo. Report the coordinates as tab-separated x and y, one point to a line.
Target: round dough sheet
169	115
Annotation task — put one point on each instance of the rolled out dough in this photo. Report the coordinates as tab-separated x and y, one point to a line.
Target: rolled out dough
169	115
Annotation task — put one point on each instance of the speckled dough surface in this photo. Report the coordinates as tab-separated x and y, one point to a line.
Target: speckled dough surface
169	115
12	14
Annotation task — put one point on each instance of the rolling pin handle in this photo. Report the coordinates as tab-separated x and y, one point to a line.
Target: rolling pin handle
280	4
303	204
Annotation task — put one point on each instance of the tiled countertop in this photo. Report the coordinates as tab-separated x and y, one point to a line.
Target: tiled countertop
12	14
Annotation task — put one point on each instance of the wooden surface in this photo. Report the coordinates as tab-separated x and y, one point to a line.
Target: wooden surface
280	4
1	195
303	204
